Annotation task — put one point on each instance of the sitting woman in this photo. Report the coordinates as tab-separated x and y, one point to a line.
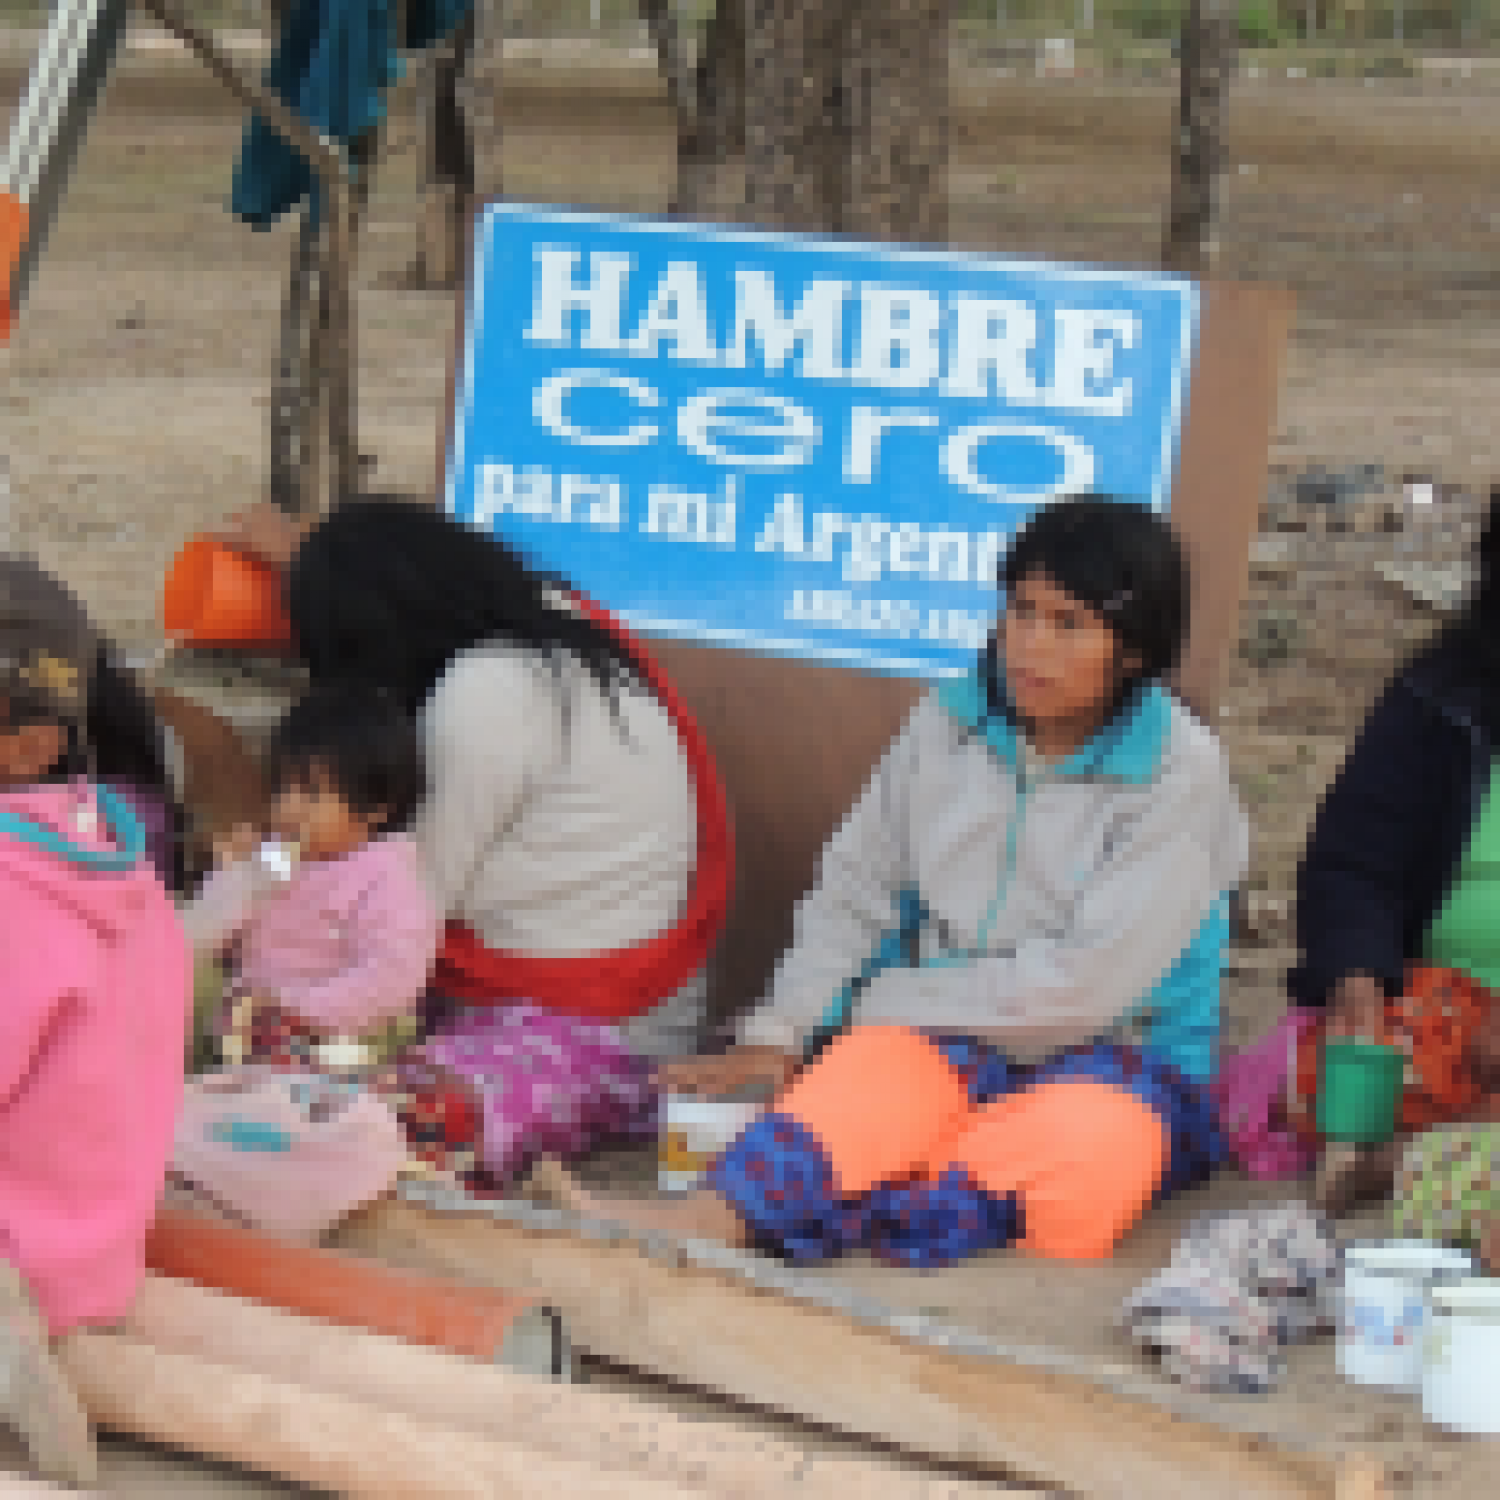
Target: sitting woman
1398	897
1050	841
573	830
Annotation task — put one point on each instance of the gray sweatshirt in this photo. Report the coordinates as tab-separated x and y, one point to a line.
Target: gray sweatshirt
1085	900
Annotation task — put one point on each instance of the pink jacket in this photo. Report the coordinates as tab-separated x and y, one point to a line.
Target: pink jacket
95	991
345	945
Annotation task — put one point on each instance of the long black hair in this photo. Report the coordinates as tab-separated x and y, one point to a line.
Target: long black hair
388	591
362	740
1122	560
1469	644
126	743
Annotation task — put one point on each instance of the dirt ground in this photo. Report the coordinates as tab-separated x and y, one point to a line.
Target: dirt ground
136	385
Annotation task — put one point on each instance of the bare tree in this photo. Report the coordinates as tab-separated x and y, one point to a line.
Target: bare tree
1210	45
846	108
895	96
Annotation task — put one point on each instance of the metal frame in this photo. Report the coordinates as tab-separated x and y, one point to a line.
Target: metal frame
67	81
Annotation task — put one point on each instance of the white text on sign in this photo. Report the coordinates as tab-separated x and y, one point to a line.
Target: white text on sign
904	339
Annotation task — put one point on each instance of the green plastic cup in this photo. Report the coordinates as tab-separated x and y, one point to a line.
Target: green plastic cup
1361	1091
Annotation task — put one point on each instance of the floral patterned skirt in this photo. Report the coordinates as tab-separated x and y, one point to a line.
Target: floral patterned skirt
488	1091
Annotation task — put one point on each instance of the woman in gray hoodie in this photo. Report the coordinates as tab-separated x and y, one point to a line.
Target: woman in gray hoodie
1007	973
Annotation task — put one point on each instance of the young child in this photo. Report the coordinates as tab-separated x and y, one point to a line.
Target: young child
330	936
95	978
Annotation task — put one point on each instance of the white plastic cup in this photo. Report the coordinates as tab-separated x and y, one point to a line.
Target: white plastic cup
693	1132
1383	1319
1461	1357
277	860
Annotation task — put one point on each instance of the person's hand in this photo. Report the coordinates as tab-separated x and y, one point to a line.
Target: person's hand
236	845
1356	1010
714	1077
264	532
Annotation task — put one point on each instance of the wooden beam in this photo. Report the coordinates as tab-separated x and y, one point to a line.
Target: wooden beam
334	168
742	1326
603	1428
328	1442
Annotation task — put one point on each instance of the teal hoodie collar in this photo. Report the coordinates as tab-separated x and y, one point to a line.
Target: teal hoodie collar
1128	748
123	825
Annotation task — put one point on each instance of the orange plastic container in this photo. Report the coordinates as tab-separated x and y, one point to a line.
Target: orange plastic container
215	596
497	1327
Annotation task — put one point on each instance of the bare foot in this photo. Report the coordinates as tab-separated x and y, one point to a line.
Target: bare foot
698	1216
35	1396
552	1184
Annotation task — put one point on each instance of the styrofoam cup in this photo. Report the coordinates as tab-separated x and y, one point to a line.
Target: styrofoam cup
1461	1357
694	1131
1384	1313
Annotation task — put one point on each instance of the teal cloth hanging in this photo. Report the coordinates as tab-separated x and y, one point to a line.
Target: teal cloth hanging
333	63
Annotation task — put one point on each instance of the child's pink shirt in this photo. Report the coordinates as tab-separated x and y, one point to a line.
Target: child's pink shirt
345	945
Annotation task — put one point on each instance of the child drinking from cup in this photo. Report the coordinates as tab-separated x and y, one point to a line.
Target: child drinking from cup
96	997
328	926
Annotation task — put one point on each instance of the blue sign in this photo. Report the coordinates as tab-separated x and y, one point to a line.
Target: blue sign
807	447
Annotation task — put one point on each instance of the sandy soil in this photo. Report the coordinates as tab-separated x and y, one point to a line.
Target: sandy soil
135	388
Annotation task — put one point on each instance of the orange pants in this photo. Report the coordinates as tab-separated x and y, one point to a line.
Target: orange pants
1084	1157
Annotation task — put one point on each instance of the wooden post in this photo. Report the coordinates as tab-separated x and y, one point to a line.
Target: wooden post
1209	49
338	240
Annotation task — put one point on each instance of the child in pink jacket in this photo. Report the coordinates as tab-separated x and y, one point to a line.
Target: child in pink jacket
95	983
330	934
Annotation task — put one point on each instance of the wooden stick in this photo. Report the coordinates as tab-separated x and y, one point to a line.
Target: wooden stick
322	154
598	1427
317	1439
742	1326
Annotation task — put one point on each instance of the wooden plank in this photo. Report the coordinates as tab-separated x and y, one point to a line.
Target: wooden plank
745	1328
1221	473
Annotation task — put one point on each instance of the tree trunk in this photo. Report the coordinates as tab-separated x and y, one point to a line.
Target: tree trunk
796	124
710	110
846	117
895	88
447	163
478	97
1209	48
